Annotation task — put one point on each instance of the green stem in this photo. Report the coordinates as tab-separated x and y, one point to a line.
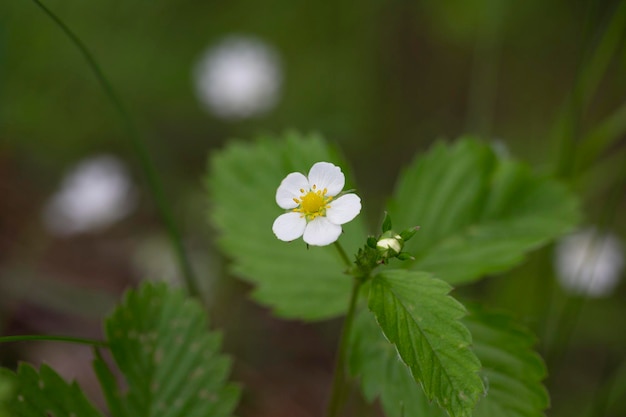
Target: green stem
566	131
604	51
339	378
147	166
568	317
37	337
602	137
343	254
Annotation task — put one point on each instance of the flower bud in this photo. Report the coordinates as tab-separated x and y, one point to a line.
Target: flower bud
390	244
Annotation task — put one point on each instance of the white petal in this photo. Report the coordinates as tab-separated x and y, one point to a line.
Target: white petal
321	232
290	188
289	226
589	263
344	209
326	175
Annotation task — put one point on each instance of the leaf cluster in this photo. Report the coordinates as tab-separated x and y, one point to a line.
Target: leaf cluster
160	344
414	347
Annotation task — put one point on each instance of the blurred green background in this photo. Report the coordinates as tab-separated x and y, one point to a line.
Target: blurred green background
544	81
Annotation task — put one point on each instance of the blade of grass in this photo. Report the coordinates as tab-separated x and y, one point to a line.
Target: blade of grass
155	186
602	137
566	130
50	338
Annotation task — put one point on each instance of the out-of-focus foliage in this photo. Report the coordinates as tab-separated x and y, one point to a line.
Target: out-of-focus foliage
6	393
171	363
513	371
380	71
44	392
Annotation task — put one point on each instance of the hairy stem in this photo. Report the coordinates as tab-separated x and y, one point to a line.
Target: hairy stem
147	166
339	379
343	254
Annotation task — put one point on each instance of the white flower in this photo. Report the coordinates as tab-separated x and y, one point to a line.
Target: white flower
95	194
315	213
589	263
240	77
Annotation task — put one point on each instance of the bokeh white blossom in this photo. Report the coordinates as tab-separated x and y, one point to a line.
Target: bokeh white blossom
317	208
153	258
589	263
93	195
238	77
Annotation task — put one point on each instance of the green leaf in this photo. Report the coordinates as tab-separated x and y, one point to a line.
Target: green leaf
382	373
45	394
171	363
418	316
6	394
512	369
295	281
479	214
386	223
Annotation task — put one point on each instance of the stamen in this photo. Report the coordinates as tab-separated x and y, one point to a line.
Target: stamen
312	203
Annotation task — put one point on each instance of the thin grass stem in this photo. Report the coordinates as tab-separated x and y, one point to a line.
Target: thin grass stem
50	338
155	186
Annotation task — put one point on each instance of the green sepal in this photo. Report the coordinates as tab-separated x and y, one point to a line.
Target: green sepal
386	223
409	233
405	256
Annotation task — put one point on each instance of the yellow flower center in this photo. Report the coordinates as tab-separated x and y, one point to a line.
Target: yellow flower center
312	203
